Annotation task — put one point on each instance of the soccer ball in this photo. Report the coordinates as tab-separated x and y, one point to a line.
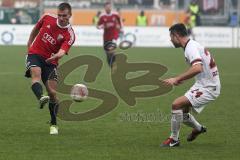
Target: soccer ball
79	92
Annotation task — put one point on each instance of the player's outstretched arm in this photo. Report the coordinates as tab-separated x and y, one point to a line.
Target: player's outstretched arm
190	73
58	55
32	36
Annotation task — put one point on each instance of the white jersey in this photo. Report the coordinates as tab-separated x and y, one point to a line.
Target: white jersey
195	54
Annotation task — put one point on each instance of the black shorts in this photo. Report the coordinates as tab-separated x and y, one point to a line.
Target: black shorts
49	71
110	45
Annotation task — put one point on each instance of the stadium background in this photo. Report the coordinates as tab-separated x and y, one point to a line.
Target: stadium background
119	134
218	28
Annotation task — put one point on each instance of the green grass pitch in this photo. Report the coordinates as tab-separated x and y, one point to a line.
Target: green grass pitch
24	134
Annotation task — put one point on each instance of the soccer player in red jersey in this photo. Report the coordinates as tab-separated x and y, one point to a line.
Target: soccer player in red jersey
112	25
50	40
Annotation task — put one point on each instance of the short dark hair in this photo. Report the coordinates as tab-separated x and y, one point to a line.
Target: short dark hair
107	3
63	6
179	28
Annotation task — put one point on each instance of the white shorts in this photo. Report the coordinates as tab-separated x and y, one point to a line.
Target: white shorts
200	96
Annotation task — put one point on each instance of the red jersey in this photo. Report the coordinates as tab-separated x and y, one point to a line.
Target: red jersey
51	38
112	24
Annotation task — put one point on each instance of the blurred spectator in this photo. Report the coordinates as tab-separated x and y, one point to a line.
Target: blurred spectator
120	14
142	19
16	19
21	17
195	12
96	18
233	19
189	22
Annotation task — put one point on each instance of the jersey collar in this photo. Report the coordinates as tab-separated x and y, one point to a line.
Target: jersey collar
109	14
67	26
186	44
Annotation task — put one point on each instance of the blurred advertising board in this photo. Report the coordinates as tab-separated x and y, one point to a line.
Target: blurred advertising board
219	37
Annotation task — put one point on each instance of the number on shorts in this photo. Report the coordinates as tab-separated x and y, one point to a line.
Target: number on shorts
198	93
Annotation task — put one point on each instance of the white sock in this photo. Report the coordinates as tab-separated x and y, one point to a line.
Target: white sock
177	118
190	121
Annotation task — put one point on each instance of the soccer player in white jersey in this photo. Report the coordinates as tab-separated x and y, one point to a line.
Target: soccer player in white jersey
205	89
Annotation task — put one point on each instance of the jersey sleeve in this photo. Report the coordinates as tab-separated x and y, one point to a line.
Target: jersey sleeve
100	22
68	42
193	56
40	22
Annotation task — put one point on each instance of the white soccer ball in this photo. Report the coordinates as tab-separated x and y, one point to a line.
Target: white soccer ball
79	92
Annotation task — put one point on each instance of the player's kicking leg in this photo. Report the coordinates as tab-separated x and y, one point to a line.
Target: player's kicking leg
37	87
34	71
